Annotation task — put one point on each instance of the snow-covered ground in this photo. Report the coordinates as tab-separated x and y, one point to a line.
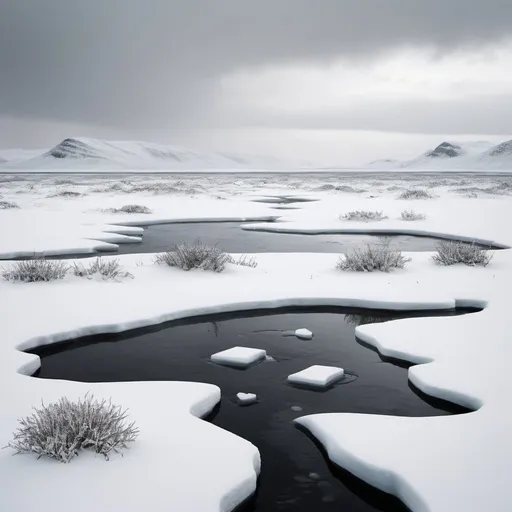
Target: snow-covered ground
81	154
450	155
436	464
85	154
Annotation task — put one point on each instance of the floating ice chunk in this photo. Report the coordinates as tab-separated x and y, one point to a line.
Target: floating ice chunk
247	398
305	334
240	357
317	375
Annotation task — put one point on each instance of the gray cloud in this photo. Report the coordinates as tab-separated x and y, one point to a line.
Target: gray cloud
156	64
489	114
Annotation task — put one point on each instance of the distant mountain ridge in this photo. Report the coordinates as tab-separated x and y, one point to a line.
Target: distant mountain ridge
88	153
479	155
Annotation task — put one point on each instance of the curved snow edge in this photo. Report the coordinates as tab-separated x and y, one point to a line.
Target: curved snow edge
193	220
88	330
376	231
379	477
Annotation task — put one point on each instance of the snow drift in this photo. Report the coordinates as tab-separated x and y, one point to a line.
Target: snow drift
479	155
87	153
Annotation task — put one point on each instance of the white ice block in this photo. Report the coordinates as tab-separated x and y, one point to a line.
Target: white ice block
317	376
240	357
305	334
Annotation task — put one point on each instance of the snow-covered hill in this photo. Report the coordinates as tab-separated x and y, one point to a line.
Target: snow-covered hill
85	153
479	155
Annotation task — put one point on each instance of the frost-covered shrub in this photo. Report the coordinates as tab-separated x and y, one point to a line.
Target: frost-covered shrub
452	252
8	205
198	255
61	429
109	187
65	182
340	188
411	215
243	261
66	194
131	208
370	258
110	269
363	216
417	193
40	269
357	319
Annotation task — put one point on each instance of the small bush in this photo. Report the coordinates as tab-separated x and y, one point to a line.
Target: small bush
415	194
363	216
65	182
66	194
197	255
243	261
452	252
8	205
40	269
110	269
411	215
131	208
370	258
61	429
357	319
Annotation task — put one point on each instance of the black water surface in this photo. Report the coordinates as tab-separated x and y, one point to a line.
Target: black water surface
296	476
230	237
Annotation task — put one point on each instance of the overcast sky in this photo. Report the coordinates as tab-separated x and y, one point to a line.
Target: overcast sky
332	81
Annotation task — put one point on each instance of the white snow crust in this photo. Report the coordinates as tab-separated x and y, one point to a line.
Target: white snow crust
305	334
441	464
241	357
247	398
318	376
82	153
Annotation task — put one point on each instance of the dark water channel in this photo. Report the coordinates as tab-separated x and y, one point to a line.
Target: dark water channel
230	237
296	476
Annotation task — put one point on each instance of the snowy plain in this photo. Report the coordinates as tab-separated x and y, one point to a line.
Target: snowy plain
440	464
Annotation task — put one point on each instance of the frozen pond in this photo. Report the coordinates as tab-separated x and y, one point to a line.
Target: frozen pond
230	237
295	475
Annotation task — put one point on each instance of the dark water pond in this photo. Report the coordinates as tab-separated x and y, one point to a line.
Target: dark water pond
296	476
230	237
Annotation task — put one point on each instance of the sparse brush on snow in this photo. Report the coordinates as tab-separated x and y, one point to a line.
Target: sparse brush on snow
107	269
60	430
411	215
417	193
40	269
340	188
370	258
65	182
451	252
363	216
357	319
8	205
243	261
198	255
66	194
109	187
131	208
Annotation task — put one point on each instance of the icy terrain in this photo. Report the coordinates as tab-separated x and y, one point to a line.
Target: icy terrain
478	155
86	154
81	154
433	464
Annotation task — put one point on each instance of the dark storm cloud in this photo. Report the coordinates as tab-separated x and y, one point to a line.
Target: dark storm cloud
156	63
